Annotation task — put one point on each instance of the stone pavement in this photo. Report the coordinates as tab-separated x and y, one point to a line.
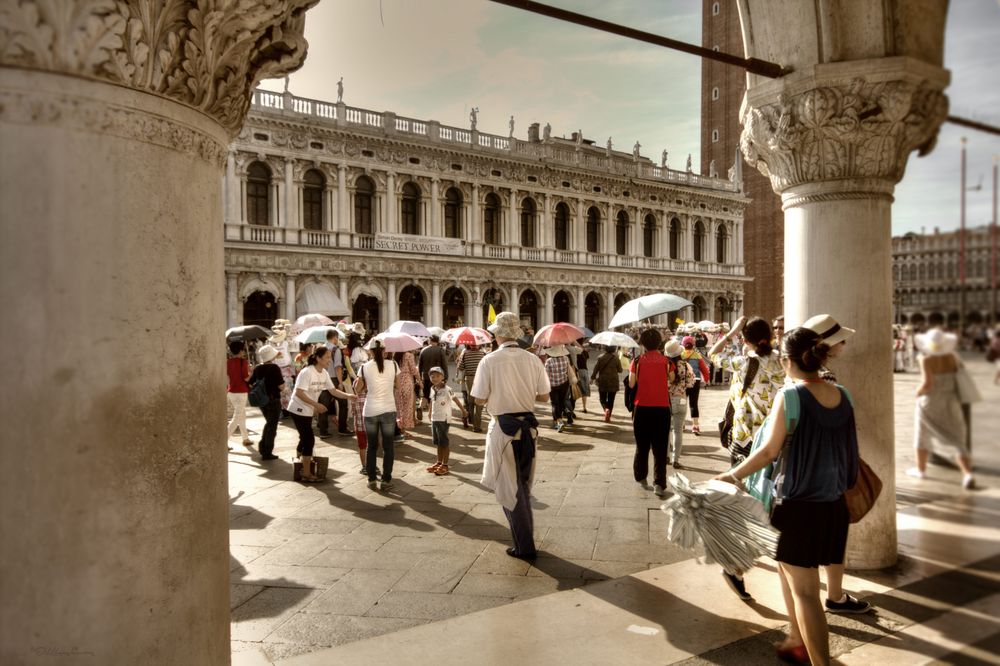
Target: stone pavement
315	567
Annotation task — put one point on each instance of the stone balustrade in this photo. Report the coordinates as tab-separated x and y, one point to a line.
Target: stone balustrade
556	152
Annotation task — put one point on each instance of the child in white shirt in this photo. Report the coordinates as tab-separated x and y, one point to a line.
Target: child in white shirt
440	396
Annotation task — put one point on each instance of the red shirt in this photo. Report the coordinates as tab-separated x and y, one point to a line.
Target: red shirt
237	368
652	388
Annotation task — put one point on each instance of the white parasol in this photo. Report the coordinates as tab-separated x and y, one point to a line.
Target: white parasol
645	307
731	524
396	342
613	339
414	328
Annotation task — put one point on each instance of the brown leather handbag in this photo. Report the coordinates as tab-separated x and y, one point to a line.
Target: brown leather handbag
861	496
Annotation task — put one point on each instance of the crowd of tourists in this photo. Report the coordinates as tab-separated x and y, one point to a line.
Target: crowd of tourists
782	392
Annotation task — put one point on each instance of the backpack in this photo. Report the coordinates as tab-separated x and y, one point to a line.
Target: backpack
258	393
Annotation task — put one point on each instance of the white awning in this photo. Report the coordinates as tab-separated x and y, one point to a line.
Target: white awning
319	298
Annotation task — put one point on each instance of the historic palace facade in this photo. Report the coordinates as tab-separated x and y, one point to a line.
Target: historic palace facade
329	206
926	270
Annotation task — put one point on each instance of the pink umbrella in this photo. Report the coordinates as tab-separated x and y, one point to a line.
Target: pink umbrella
467	335
396	342
559	333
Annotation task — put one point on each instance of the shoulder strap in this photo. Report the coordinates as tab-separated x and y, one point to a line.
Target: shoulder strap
791	394
752	366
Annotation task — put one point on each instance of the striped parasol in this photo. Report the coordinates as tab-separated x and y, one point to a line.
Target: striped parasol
732	526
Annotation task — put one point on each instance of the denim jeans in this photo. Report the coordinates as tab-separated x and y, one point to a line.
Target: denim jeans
385	424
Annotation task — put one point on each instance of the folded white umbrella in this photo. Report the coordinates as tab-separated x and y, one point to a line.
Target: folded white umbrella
307	320
613	339
414	328
733	526
645	307
435	330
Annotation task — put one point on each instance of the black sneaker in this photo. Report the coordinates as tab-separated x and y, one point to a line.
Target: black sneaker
269	456
849	605
737	585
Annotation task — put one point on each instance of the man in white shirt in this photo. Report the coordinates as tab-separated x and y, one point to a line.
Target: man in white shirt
509	381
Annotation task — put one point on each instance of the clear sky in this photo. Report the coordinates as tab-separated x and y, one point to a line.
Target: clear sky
435	59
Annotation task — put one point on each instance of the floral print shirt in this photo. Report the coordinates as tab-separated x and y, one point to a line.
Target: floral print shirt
750	408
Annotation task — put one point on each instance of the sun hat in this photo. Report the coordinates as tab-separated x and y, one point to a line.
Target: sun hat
358	328
688	342
267	353
936	342
437	369
507	325
556	351
828	329
673	349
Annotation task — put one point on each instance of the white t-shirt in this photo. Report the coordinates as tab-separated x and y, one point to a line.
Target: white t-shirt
312	382
441	403
509	379
381	396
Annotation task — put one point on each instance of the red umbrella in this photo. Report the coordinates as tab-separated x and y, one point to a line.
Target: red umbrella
467	335
559	333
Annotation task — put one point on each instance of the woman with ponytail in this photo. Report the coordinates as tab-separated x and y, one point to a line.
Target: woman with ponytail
757	376
380	378
810	511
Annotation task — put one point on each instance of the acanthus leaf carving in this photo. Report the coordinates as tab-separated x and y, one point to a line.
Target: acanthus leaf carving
858	130
206	54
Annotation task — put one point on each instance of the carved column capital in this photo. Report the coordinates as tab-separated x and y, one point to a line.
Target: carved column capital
185	50
847	128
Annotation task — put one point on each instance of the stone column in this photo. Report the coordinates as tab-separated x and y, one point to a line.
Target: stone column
232	191
609	229
391	302
547	233
115	528
609	306
436	314
834	140
290	298
580	310
290	211
232	300
513	293
435	221
579	238
343	211
391	220
475	230
512	229
343	291
547	308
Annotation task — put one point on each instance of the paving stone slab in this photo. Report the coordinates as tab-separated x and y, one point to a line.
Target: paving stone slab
242	555
429	606
348	559
513	587
264	612
287	576
355	592
569	542
304	632
436	573
238	594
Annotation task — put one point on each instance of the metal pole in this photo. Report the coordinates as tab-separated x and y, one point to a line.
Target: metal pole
961	257
993	249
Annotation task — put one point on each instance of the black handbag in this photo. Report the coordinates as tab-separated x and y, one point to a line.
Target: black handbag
726	424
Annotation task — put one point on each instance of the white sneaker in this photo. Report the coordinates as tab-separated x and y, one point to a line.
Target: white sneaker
659	490
968	482
915	473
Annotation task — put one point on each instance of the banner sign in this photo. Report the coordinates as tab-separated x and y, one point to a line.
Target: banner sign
418	244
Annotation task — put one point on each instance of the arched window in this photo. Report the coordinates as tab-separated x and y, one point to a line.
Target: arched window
562	226
921	271
621	232
592	311
648	233
495	298
365	310
259	194
593	229
675	238
527	306
528	209
560	306
260	308
453	307
895	273
364	190
411	303
312	200
491	220
699	241
453	213
411	209
721	238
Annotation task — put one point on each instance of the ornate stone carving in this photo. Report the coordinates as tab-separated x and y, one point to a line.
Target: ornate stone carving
862	130
206	54
114	120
